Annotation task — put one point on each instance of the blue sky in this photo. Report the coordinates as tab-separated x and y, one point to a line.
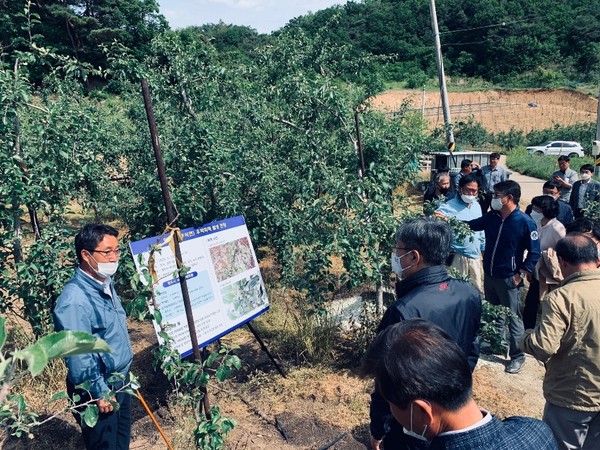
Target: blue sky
263	15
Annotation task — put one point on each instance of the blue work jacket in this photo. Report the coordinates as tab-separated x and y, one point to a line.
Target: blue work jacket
84	305
506	241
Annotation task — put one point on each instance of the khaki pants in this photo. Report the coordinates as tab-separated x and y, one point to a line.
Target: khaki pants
469	267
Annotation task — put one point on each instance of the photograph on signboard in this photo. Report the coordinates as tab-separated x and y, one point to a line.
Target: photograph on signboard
243	296
232	258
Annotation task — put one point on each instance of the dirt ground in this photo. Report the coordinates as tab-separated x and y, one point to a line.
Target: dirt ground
311	407
498	110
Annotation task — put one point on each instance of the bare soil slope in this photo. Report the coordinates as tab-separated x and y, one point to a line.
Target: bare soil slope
498	110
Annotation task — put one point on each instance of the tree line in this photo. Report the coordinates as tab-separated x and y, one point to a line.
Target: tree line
525	41
540	41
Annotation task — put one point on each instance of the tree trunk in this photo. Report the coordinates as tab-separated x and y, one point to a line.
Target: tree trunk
379	298
16	205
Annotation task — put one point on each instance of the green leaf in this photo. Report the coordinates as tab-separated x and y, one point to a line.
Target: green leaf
35	357
3	366
211	359
69	343
222	373
2	331
86	385
235	361
90	416
203	379
59	396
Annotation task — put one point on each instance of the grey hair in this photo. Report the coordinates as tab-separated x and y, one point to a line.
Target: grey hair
440	175
431	237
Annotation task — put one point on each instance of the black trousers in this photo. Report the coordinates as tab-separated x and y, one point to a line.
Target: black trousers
532	303
113	430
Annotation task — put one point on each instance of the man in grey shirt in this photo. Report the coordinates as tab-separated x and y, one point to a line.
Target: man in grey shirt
564	178
492	174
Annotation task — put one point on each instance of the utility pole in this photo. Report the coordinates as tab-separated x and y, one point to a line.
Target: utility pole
596	143
598	118
423	104
441	77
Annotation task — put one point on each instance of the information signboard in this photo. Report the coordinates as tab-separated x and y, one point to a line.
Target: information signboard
224	281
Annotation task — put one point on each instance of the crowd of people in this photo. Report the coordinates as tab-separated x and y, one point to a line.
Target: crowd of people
428	341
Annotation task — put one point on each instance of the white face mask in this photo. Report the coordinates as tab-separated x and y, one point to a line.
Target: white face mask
410	432
105	270
586	176
496	204
397	265
468	199
537	216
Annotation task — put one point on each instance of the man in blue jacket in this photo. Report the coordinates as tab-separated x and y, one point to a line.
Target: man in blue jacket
509	234
425	290
90	303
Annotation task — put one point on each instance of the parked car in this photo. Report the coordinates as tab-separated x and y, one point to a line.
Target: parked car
558	148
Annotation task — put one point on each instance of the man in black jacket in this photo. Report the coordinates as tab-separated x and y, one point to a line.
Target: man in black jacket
426	291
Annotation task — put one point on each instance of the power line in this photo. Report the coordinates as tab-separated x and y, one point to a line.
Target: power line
495	25
451	44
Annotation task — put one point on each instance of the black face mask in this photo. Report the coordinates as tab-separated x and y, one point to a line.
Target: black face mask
443	190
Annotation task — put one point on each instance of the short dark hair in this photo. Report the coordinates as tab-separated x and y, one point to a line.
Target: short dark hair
431	237
550	185
577	249
465	163
91	235
547	204
584	225
469	178
586	167
509	187
495	155
415	359
564	158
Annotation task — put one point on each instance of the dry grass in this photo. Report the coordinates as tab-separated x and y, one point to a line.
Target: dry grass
342	396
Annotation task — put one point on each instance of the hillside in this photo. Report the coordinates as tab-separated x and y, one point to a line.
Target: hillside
499	110
552	40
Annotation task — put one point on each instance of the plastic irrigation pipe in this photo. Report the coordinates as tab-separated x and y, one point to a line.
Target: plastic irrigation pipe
162	433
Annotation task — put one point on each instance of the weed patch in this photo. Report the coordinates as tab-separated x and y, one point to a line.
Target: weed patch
540	166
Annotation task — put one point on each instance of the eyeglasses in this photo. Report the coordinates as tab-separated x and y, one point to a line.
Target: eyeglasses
107	253
494	195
